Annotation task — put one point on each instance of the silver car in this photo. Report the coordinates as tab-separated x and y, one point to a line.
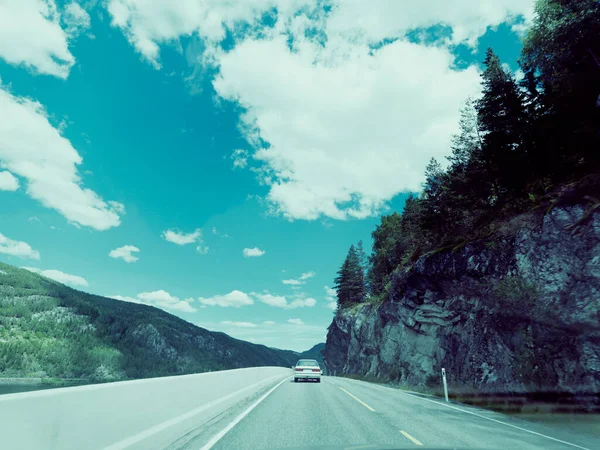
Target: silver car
307	369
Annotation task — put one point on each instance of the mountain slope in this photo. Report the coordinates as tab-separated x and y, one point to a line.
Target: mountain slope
315	353
48	329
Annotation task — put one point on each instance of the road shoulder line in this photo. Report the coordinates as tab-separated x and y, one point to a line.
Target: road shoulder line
129	441
216	438
479	415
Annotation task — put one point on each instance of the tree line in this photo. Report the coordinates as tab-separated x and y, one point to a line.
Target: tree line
517	142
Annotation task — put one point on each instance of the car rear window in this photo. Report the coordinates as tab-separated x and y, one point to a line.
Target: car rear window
309	363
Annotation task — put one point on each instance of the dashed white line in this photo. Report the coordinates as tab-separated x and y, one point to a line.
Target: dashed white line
410	438
357	399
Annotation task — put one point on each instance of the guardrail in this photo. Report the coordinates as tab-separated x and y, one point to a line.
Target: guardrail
149	413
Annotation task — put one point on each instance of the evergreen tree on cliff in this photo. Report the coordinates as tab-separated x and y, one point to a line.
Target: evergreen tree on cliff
350	281
502	118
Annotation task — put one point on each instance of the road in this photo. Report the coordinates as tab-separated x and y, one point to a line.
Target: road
259	408
341	412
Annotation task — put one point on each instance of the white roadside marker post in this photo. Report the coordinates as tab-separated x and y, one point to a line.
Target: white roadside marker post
445	383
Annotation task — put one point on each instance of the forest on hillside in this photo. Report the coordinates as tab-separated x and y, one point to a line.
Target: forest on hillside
48	330
522	143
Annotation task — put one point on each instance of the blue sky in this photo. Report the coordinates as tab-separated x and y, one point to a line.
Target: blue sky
231	148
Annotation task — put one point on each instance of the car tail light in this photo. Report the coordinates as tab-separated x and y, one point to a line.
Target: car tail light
298	370
316	370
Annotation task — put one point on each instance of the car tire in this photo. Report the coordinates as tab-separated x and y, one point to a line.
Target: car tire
318	380
295	380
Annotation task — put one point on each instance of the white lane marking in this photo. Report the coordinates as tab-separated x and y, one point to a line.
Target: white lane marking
357	399
480	416
175	420
237	420
408	436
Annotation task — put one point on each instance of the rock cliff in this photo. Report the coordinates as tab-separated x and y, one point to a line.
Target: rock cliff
516	312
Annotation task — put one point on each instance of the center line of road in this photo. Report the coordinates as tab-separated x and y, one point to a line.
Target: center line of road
357	399
408	436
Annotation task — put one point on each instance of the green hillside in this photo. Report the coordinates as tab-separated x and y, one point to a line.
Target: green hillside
50	330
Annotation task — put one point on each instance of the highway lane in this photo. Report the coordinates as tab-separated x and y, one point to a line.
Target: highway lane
342	412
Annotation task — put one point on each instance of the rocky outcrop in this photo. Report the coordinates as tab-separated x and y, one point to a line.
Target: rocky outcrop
517	312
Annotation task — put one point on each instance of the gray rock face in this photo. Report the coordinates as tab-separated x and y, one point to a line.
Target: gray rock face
516	313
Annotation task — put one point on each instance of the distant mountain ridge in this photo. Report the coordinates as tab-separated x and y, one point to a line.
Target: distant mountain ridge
50	330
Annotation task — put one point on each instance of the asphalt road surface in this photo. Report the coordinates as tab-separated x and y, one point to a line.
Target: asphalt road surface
342	413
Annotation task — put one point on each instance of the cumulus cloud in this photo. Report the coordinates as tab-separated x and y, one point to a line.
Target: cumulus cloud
280	301
331	298
234	299
31	35
253	252
338	122
8	182
125	253
76	19
239	324
301	280
61	277
33	149
296	321
180	238
160	299
17	248
240	159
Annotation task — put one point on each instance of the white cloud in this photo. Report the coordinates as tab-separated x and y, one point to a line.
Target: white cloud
31	35
253	252
180	238
125	253
127	299
240	159
337	128
160	299
149	24
239	324
303	302
8	182
280	301
330	297
76	19
268	322
32	148
17	248
296	321
301	280
61	277
117	207
319	118
234	299
202	249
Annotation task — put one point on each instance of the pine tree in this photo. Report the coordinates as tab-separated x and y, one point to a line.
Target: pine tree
501	115
350	280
